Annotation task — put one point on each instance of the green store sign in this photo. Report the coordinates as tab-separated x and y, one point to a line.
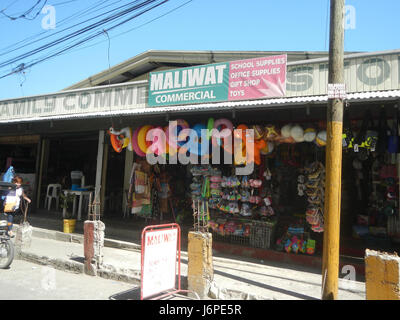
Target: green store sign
200	84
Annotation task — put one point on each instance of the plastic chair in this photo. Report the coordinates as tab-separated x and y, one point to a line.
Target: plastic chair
53	192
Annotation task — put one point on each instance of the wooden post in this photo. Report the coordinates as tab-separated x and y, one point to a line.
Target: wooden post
330	259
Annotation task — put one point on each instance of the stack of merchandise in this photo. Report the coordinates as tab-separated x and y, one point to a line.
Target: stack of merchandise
266	210
314	183
296	240
215	189
201	193
230	195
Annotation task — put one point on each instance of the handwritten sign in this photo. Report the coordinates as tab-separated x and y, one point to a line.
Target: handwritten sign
159	261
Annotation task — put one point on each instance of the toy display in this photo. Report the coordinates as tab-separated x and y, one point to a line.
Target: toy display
312	184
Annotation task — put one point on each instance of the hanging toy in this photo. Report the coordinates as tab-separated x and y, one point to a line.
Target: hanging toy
285	131
271	133
258	146
121	139
303	246
158	139
210	126
135	144
258	132
225	128
288	245
176	128
141	138
321	139
295	245
199	141
240	152
285	136
297	133
310	134
310	246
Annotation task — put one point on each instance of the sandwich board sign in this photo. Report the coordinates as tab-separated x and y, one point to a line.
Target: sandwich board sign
160	260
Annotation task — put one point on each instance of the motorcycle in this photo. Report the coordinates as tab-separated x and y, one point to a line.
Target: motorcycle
6	244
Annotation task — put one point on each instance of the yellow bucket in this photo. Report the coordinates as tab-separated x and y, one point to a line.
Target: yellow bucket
69	225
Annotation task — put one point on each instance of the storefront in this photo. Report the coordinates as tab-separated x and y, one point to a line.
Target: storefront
279	204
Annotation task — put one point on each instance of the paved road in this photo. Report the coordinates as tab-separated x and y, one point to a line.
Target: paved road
25	280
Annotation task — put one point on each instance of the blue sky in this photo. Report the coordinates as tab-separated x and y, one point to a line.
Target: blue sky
260	25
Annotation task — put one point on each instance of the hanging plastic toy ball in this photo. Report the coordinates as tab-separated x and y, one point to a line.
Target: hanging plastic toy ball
297	133
310	134
321	139
285	130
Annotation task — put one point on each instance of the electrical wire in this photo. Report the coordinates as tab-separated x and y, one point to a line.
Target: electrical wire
26	13
87	11
63	30
132	29
96	34
78	32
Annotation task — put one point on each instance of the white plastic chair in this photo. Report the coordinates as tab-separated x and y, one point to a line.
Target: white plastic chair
53	192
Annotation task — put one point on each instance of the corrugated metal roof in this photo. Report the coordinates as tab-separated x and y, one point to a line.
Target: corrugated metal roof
237	105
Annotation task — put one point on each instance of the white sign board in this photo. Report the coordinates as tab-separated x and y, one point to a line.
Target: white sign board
159	261
336	91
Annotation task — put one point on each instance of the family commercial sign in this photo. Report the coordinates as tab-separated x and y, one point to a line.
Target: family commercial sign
88	100
228	81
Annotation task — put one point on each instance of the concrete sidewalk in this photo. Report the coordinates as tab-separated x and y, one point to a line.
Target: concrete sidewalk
233	278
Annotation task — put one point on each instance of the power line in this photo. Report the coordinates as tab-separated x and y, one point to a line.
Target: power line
135	28
88	38
63	30
27	12
78	32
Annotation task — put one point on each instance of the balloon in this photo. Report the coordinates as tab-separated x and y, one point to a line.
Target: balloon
266	148
116	143
198	140
221	125
269	147
169	150
135	144
158	139
173	140
210	126
240	154
141	138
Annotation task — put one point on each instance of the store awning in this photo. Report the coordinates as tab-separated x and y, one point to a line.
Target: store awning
262	104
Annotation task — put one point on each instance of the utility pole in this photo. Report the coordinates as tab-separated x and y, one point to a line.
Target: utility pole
330	259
